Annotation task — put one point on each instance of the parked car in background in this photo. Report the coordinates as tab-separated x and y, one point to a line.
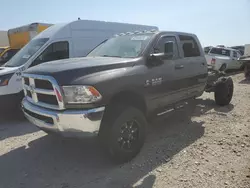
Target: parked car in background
60	41
207	49
7	54
2	48
240	48
221	58
245	60
221	46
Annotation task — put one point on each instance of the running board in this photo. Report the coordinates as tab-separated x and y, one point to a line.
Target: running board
175	107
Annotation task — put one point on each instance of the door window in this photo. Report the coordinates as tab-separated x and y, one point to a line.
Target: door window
189	46
55	51
161	45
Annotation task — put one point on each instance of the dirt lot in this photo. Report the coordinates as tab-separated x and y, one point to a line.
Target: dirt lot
201	145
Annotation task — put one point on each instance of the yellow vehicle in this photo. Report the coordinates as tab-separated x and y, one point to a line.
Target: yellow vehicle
6	53
2	48
19	37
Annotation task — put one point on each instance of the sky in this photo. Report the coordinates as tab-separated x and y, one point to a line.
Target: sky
215	22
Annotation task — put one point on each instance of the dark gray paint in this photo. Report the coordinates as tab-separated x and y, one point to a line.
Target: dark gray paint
114	75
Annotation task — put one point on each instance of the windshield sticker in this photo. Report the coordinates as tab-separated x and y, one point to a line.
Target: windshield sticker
26	56
141	37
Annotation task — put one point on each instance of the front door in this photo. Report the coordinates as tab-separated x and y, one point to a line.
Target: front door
161	77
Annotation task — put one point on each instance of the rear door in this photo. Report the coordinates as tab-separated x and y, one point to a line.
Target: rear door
191	69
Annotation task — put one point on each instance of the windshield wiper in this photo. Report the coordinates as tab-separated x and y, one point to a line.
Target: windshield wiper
110	56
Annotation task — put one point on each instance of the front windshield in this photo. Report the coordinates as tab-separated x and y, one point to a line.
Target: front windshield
127	46
26	52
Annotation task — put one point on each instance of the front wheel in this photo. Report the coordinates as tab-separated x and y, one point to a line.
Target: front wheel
224	91
124	132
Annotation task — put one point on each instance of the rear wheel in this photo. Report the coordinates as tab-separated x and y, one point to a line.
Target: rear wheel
123	131
224	91
223	67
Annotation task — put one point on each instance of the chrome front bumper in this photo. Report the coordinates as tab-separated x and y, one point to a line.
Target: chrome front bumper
72	123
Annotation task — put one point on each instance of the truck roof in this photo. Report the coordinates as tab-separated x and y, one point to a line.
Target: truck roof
227	48
63	30
157	32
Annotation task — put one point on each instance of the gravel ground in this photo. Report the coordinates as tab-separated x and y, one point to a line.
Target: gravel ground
200	145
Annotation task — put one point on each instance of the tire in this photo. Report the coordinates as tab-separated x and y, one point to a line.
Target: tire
224	91
223	67
246	72
123	132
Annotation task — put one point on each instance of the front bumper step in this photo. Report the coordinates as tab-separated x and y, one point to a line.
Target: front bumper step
72	123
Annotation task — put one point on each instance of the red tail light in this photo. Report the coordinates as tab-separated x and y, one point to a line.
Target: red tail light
213	61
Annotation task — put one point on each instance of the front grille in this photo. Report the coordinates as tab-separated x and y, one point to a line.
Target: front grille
45	119
50	99
45	84
40	91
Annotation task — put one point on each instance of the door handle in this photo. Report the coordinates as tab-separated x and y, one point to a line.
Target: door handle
179	66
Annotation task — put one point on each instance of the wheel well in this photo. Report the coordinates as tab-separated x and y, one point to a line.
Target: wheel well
223	65
130	98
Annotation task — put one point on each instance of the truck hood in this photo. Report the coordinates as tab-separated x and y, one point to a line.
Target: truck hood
69	69
8	70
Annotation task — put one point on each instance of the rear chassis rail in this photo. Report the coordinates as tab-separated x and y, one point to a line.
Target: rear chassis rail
213	77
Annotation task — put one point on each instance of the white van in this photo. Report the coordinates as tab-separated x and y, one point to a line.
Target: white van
60	41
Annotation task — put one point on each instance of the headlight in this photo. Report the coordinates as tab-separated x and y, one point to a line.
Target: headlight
80	94
4	80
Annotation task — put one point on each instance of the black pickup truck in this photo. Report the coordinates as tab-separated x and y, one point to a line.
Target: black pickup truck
120	84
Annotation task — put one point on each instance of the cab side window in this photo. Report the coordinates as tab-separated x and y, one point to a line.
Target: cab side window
189	46
235	55
162	47
55	51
